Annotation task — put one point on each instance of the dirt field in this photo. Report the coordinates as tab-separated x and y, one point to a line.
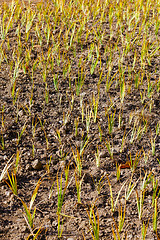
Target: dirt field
56	132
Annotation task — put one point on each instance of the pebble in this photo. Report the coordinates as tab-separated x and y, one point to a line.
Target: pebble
104	154
8	193
37	165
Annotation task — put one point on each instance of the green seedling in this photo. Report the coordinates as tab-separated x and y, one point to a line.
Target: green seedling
58	136
84	144
1	55
109	82
100	75
122	90
56	83
111	122
88	118
158	129
78	161
30	19
150	105
17	160
4	27
94	221
155	216
39	35
51	190
99	184
118	171
3	121
82	106
130	189
29	215
140	198
134	163
46	93
12	182
72	35
121	217
146	156
143	96
109	148
120	116
114	204
35	235
113	232
76	121
150	89
117	236
21	133
47	32
93	64
110	107
79	81
144	230
33	149
137	80
95	106
155	189
34	124
71	102
153	145
61	194
146	180
90	52
140	202
66	117
78	186
2	142
157	85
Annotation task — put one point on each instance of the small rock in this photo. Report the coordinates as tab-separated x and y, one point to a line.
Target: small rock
20	113
104	154
8	193
37	165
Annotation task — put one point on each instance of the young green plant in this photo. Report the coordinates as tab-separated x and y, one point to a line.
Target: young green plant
61	194
94	221
78	186
29	215
121	217
155	215
114	204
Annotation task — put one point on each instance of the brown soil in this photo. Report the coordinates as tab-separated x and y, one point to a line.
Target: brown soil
76	226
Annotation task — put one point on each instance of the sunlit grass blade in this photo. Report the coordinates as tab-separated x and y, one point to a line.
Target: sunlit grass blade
94	221
12	182
35	193
5	169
